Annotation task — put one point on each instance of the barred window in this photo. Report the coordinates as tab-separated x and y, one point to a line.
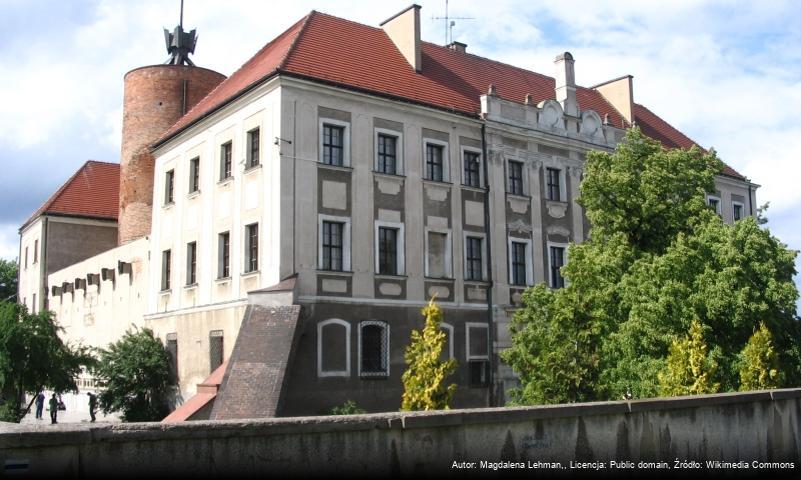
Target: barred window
374	349
387	154
472	170
434	165
333	144
553	184
515	178
332	245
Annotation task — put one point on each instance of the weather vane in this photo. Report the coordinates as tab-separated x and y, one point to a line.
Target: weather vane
179	43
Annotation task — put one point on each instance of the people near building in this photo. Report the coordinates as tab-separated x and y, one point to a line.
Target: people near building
92	405
40	399
53	409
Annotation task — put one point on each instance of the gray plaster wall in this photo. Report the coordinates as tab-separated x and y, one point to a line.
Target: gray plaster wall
760	427
69	243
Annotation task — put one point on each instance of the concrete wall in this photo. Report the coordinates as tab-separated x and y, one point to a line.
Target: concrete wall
748	427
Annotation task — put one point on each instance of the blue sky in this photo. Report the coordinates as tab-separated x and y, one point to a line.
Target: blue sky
726	73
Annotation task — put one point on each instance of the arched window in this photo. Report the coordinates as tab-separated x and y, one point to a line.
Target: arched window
333	348
373	349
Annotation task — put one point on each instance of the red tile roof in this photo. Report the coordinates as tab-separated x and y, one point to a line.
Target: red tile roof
333	50
92	192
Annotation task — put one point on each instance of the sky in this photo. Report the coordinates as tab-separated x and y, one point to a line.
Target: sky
726	73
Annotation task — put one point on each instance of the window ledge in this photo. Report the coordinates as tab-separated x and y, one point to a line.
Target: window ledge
385	276
341	273
190	286
340	168
556	202
477	283
222	279
517	196
394	176
194	194
373	376
251	273
437	183
168	205
440	279
165	292
252	169
225	181
474	189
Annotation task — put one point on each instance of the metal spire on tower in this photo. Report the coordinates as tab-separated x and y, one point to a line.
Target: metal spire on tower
179	43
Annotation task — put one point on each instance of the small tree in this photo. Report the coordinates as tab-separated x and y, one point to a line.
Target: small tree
8	279
423	379
347	408
759	368
33	357
689	369
135	375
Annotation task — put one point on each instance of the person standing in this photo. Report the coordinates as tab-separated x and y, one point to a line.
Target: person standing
92	405
40	398
53	408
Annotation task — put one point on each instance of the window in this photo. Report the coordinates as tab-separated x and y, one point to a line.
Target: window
224	255
166	258
474	264
553	184
556	260
737	211
373	349
333	144
434	162
253	148
387	154
472	169
714	203
33	304
26	257
477	353
332	245
169	183
438	254
172	352
387	251
333	348
515	177
191	263
215	349
194	175
517	250
225	160
36	250
252	247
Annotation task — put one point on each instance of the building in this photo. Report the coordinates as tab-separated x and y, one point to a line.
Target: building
303	212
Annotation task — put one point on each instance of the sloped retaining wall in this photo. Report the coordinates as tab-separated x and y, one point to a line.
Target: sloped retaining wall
755	428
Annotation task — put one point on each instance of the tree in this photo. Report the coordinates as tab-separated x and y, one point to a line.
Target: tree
134	373
8	279
657	259
347	408
759	369
689	369
425	373
33	357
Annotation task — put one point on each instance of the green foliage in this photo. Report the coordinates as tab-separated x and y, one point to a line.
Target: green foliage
135	375
759	369
347	408
425	373
689	370
33	357
657	259
8	279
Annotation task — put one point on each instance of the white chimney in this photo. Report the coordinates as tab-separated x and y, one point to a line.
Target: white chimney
566	84
403	29
620	93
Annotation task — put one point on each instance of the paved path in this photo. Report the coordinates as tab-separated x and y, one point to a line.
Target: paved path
70	415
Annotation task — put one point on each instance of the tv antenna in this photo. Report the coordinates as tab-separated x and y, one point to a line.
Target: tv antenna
449	24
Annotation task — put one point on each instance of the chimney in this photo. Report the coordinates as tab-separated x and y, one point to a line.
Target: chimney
566	84
458	47
403	29
620	93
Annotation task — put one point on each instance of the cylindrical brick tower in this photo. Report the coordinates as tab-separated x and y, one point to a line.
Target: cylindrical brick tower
155	98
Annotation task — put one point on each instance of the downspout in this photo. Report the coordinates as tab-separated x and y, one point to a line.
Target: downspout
19	269
750	203
43	265
183	96
490	326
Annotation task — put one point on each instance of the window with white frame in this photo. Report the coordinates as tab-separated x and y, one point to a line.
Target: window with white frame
474	257
169	187
714	203
166	269
477	353
557	257
253	147
334	142
373	349
737	209
334	243
435	155
225	160
447	347
389	248
554	184
515	177
473	175
439	262
520	262
251	247
224	255
191	263
388	152
333	348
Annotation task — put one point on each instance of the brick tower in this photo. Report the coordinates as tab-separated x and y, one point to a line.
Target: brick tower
155	98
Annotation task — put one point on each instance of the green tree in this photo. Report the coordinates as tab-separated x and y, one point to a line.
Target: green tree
134	373
689	369
657	259
33	357
759	368
8	279
423	380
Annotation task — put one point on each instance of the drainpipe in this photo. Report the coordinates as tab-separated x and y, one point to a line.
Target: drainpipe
42	267
750	203
490	329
